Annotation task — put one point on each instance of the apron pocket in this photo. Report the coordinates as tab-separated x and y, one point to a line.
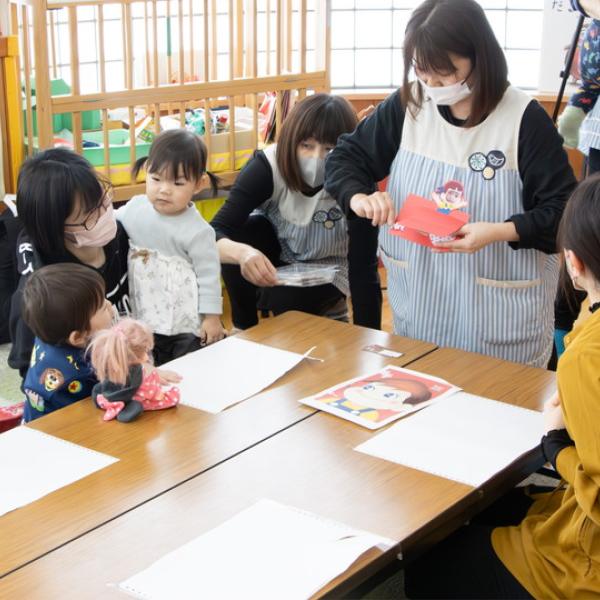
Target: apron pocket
398	291
509	312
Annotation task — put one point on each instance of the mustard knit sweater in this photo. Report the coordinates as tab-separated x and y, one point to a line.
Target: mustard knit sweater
555	551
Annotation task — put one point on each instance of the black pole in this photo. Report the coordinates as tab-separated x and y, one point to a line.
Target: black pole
567	70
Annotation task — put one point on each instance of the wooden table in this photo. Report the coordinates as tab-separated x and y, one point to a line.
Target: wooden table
312	466
165	448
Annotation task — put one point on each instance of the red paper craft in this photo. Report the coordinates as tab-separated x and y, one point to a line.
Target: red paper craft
420	221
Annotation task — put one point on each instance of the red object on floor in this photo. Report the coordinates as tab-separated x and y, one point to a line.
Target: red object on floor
10	416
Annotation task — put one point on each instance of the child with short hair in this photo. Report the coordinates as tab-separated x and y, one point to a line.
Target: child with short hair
64	305
173	261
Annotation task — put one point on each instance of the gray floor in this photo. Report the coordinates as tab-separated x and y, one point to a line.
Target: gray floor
10	392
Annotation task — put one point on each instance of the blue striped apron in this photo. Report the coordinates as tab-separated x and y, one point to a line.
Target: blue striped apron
589	134
309	228
497	301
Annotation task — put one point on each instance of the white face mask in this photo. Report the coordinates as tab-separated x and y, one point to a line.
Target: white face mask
313	171
447	95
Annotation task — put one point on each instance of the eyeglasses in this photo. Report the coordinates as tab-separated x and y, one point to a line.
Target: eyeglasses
93	217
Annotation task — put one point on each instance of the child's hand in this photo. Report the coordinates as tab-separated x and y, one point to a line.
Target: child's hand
165	377
211	329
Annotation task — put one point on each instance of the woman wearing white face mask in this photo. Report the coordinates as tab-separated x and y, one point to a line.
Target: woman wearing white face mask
67	216
461	129
278	213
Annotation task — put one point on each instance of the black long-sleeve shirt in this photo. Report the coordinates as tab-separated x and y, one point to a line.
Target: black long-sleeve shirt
28	259
364	157
254	186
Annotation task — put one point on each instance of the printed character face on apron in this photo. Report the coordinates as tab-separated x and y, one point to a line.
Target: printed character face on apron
52	379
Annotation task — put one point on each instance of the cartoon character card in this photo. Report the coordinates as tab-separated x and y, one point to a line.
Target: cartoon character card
426	222
376	399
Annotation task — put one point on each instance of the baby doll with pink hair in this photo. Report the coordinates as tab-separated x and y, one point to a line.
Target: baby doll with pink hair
127	384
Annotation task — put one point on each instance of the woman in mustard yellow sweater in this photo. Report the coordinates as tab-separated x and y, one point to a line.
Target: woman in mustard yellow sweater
554	551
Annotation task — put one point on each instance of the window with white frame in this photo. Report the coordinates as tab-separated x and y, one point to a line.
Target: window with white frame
367	35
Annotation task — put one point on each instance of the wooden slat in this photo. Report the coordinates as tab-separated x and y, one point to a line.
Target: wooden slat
191	34
239	41
231	17
182	114
42	76
105	143
189	92
205	63
131	141
74	41
279	38
101	61
207	131
323	41
181	34
155	42
169	43
53	45
288	35
147	59
268	34
213	39
156	118
302	36
128	47
27	75
278	115
232	132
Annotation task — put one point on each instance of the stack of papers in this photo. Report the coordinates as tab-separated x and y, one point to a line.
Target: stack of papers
33	464
466	438
268	551
306	274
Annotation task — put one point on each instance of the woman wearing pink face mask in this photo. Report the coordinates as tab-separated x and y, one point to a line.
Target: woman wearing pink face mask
67	216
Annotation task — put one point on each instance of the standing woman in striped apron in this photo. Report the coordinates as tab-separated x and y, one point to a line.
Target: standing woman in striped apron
461	129
279	213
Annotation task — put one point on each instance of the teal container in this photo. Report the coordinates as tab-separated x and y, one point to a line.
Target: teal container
118	147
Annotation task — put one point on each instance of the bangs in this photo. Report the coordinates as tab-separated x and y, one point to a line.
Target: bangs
172	165
426	54
327	127
325	120
177	152
89	188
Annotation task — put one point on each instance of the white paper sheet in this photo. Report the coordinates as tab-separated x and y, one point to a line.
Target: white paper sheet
228	372
33	464
266	551
465	438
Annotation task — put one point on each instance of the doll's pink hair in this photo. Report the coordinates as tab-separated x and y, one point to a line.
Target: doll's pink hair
112	351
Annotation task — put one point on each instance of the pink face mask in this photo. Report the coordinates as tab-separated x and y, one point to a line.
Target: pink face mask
103	231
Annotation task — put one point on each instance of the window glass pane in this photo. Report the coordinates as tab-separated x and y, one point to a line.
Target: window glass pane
399	22
497	19
373	68
373	29
524	29
523	67
342	29
342	68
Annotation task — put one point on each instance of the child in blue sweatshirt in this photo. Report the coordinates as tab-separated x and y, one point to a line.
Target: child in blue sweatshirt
64	305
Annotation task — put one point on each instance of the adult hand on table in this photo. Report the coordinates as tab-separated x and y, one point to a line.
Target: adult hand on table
257	268
378	207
